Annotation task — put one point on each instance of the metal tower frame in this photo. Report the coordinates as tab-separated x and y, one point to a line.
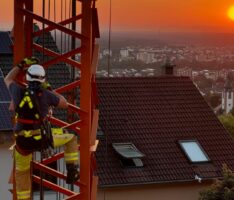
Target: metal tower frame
86	126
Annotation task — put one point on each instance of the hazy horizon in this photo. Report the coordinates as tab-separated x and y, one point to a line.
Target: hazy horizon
148	15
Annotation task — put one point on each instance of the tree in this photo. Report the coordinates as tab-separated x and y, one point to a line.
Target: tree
213	99
221	189
228	122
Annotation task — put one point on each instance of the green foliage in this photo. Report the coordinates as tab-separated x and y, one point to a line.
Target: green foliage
220	190
232	111
228	122
213	99
203	82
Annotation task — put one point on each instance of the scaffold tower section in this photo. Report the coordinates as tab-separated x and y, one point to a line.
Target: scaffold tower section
74	26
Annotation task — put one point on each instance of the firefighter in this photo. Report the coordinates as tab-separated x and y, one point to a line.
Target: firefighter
28	126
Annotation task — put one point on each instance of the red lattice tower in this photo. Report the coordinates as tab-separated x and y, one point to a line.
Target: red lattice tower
86	126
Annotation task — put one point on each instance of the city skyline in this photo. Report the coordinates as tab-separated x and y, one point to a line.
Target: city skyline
150	15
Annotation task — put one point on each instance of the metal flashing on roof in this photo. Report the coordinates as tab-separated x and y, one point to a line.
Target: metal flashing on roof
100	133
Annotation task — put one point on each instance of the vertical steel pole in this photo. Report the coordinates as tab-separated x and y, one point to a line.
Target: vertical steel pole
85	98
71	94
18	32
28	27
73	38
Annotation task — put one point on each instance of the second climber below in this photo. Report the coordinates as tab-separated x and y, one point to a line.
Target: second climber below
31	106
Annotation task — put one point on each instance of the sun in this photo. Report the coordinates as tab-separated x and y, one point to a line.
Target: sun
230	12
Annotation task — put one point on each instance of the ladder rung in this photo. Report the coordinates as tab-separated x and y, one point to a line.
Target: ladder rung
52	172
74	197
53	186
53	158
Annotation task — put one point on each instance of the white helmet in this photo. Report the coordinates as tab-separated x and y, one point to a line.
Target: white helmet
35	73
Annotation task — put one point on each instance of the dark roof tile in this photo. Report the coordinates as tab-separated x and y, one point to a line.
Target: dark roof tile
6	43
5	117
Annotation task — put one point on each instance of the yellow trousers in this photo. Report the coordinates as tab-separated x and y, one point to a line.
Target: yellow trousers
22	162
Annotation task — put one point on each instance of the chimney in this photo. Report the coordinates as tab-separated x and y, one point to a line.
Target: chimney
168	68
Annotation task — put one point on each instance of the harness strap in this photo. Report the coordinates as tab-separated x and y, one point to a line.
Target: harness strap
21	151
28	133
27	121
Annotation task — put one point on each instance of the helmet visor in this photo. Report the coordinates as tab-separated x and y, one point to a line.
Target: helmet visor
39	78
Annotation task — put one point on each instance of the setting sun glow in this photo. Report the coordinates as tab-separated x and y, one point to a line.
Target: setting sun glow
231	13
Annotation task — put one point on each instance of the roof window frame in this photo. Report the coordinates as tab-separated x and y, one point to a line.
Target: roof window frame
188	156
129	161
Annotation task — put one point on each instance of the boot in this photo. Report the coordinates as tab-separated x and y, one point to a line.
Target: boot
73	174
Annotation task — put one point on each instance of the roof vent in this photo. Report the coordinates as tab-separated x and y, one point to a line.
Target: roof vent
129	154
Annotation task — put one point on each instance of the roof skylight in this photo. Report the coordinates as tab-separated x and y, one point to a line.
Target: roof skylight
130	155
194	151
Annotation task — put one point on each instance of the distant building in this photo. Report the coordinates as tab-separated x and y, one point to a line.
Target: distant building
184	71
107	52
223	73
124	53
227	97
146	56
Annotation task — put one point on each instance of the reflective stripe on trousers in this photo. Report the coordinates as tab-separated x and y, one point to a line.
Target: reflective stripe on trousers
22	175
23	195
22	163
71	157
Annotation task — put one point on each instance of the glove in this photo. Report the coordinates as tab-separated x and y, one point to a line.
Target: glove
26	62
46	86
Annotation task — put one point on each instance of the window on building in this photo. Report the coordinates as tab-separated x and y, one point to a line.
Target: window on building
194	151
130	156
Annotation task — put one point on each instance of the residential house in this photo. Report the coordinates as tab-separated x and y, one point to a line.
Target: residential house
158	140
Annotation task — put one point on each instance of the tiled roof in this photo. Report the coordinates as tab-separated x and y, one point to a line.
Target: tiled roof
6	62
5	115
154	114
6	43
4	94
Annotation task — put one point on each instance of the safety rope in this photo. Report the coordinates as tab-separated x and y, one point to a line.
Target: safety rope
70	15
43	32
43	60
65	37
108	67
109	38
61	14
55	33
48	9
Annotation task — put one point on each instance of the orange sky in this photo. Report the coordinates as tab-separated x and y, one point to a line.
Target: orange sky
153	15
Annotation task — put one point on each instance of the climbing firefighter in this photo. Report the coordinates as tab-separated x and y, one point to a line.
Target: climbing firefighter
31	106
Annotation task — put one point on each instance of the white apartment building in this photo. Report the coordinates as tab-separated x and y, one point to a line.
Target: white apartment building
146	56
124	53
107	52
227	97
